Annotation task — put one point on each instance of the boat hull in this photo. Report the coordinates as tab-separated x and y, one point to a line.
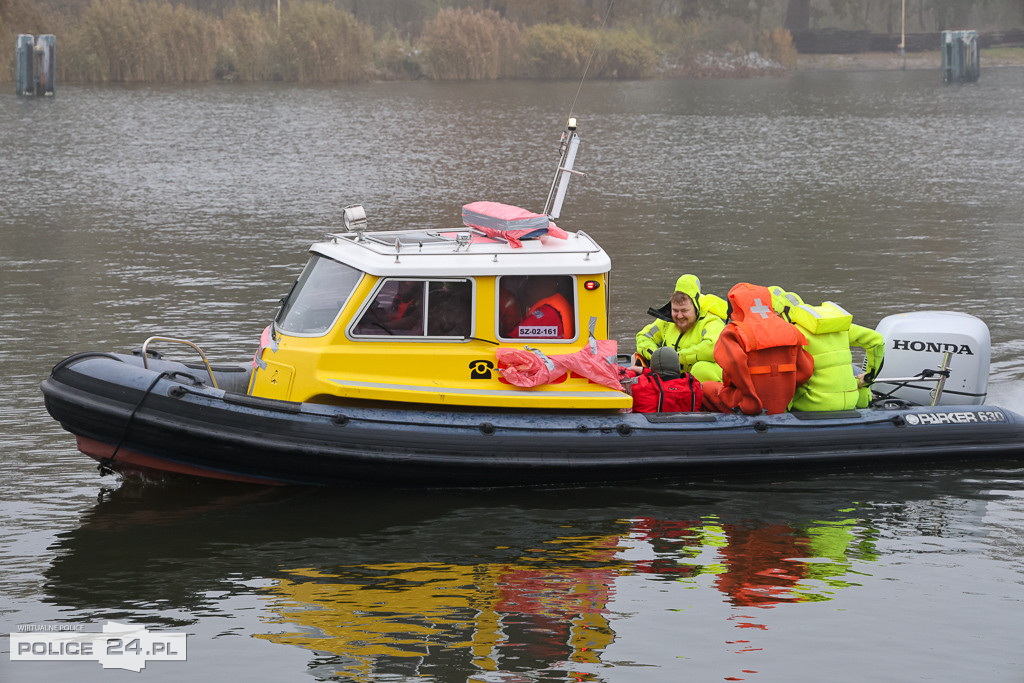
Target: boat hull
167	419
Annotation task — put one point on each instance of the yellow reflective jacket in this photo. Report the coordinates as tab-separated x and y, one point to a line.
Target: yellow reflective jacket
830	333
696	346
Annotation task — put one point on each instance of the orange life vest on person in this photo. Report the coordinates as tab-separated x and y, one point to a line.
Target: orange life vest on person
560	306
400	307
761	355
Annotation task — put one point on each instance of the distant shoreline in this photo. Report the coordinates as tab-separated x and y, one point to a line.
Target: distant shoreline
873	61
887	61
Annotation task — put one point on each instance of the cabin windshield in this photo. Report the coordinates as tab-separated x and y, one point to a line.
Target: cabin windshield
418	308
317	297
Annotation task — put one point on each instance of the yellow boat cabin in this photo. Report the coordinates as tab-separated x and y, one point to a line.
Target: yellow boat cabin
416	316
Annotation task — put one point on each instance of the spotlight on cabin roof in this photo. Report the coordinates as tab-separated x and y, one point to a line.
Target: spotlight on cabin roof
354	217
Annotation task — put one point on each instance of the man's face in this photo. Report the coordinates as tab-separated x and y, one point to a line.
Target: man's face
684	315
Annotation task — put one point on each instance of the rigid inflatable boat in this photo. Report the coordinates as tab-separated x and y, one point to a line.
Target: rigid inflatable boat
441	306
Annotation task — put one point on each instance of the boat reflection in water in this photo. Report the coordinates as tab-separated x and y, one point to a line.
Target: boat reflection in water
554	606
491	616
759	564
466	583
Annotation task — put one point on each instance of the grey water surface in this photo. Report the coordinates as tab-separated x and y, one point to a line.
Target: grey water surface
132	211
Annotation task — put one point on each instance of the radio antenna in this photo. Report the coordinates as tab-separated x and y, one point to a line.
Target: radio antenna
567	147
586	68
569	143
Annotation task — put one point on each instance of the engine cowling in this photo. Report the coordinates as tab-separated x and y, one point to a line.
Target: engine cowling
919	340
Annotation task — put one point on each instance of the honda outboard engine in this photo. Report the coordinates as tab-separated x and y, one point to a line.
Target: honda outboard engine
916	342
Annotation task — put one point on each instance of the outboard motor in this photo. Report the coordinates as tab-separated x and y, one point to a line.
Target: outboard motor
917	342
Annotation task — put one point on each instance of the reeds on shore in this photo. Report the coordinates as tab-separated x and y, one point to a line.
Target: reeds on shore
125	41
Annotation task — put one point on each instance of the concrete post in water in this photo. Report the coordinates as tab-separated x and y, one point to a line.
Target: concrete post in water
24	60
960	62
35	65
45	68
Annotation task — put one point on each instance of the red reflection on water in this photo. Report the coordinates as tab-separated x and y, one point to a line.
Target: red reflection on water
758	559
760	571
756	564
568	604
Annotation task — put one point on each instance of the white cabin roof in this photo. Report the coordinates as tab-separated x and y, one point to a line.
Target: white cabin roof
463	252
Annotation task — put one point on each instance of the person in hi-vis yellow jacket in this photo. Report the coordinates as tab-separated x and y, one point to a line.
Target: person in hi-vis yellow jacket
689	323
830	333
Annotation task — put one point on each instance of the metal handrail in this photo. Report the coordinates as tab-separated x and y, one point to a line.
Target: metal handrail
145	354
940	377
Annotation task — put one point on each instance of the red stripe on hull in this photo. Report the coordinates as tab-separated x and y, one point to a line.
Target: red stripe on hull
128	461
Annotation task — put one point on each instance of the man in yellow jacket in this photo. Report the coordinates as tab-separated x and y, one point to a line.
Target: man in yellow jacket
830	333
689	323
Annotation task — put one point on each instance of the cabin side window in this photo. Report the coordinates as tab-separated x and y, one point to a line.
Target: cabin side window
317	297
536	307
418	308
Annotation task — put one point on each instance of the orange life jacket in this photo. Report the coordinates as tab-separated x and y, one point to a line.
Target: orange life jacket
564	310
761	355
760	327
400	307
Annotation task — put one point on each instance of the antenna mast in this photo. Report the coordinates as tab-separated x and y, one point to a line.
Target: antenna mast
569	143
567	147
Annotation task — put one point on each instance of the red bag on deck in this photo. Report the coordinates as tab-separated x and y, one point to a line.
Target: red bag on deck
652	394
